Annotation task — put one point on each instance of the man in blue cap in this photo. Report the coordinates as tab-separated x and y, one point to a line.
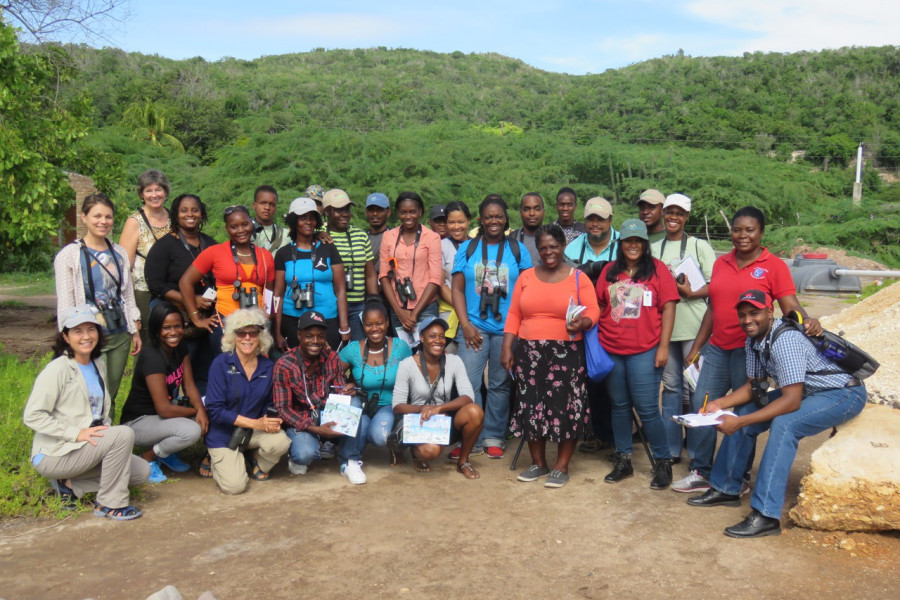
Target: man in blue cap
378	209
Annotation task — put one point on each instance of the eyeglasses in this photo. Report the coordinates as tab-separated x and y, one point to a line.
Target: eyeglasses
251	333
235	208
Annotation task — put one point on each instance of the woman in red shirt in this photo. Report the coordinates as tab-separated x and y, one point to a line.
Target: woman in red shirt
637	297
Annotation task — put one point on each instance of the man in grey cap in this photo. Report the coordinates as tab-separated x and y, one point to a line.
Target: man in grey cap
437	220
650	211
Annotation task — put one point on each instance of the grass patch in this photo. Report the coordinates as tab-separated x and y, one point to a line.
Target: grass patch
870	290
23	492
12	304
27	284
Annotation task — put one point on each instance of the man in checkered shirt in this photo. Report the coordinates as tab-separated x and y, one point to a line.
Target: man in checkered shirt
813	395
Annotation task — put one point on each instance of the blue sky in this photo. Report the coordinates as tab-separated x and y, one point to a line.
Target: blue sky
569	36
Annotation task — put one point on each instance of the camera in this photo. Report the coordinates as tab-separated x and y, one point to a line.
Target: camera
405	290
489	300
303	297
113	315
759	391
592	269
348	275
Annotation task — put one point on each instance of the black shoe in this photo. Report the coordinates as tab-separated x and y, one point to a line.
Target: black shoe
621	470
662	474
755	525
713	497
676	460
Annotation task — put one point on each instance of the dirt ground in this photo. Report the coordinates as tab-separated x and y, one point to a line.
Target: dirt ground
434	535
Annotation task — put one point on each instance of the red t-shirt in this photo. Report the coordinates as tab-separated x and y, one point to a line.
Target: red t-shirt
631	312
767	273
219	260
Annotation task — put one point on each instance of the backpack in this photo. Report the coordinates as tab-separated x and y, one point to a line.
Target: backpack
849	357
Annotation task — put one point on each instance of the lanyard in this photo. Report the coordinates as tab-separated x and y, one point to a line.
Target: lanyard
684	239
362	377
188	247
302	366
276	234
440	376
415	248
238	282
312	262
87	259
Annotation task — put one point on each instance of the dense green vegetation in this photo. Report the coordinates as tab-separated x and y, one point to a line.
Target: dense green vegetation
457	126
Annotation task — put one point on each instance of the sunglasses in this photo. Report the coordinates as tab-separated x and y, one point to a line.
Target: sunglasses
234	209
251	333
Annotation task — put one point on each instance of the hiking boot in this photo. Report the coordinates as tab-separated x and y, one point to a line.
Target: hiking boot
662	474
622	469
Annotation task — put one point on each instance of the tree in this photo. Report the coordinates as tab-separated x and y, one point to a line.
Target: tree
150	124
42	19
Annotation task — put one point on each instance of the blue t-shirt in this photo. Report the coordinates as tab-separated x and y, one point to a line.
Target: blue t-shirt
95	389
477	276
368	377
321	275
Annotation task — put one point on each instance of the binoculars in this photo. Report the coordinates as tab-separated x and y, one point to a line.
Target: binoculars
113	315
247	298
759	391
489	300
405	290
303	297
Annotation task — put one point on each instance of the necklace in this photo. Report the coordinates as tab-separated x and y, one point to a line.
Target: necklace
376	351
245	255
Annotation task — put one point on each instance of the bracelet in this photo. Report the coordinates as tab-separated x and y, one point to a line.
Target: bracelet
196	312
343	332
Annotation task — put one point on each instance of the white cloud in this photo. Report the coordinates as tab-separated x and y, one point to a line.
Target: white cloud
793	25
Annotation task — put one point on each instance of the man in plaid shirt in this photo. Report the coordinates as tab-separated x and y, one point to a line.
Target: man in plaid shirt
304	379
814	394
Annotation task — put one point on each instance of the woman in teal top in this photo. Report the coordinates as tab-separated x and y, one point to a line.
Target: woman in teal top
373	364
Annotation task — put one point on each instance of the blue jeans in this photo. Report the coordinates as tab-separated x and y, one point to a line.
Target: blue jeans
305	445
496	405
722	370
675	393
354	317
817	413
634	381
380	426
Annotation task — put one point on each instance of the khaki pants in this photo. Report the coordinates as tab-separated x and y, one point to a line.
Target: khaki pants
229	469
107	468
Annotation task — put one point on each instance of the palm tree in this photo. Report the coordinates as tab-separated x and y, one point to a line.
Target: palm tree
151	125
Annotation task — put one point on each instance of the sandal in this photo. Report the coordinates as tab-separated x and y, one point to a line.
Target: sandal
422	466
257	473
205	469
468	471
126	513
396	458
67	496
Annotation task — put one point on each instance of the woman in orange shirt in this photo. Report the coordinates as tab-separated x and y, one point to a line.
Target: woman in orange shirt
547	362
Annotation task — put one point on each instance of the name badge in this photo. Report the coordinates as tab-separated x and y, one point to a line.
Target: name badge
648	298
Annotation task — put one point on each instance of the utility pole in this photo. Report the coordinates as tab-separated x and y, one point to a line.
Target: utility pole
857	185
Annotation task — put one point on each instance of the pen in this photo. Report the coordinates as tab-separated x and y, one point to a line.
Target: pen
705	399
693	360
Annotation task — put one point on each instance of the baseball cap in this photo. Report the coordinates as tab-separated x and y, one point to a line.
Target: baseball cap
597	206
315	192
438	211
652	196
246	317
310	318
757	298
428	322
77	315
633	228
301	206
679	200
378	199
336	198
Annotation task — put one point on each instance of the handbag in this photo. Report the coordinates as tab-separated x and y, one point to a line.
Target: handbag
597	361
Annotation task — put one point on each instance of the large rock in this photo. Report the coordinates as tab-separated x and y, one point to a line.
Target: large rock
854	479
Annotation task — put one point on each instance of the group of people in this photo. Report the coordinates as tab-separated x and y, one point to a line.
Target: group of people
243	343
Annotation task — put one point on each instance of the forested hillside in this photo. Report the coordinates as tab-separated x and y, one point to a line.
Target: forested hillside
458	126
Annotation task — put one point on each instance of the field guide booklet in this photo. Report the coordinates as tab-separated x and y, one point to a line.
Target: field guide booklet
345	415
435	430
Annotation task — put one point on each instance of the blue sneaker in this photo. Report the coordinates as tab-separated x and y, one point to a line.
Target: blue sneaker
174	462
156	474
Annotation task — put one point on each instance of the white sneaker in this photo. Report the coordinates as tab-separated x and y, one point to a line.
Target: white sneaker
296	469
353	472
694	482
326	449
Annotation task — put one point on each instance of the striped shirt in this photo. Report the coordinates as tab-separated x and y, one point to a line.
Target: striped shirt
355	249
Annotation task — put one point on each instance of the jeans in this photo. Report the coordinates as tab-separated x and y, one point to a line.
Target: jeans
305	445
722	370
496	405
634	381
380	426
817	413
354	317
675	394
